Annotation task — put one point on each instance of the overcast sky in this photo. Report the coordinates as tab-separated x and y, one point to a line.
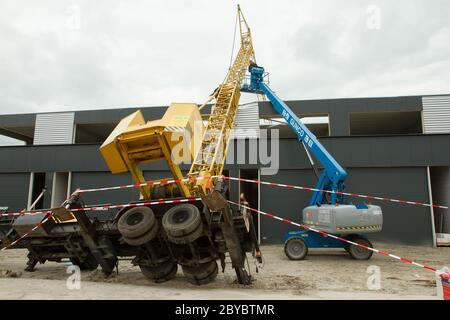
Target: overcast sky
69	55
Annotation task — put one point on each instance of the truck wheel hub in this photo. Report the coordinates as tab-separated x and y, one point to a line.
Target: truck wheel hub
180	217
134	219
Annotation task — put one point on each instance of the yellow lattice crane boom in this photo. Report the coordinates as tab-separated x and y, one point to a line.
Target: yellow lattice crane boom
211	156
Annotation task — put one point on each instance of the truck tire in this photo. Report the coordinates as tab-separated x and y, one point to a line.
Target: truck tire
150	235
359	253
202	274
184	239
88	264
136	222
182	220
160	273
296	248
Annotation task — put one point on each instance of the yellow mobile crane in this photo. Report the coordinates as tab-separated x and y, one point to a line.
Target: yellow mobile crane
135	142
193	234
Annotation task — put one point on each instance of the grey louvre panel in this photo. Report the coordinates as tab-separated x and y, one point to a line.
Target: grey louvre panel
436	114
247	121
54	128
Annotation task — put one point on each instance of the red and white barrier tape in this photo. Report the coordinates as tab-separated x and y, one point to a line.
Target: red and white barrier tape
147	184
197	199
104	207
139	204
334	236
338	192
164	182
22	213
100	208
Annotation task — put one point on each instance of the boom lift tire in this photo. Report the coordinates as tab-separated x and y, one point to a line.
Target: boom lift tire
183	223
88	264
160	273
359	253
136	222
201	274
296	249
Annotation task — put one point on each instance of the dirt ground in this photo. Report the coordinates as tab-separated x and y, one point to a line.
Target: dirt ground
323	275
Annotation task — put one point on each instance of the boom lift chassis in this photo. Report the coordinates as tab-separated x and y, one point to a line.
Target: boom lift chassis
329	210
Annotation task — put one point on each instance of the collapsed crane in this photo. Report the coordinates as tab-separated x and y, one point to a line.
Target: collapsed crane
135	142
162	235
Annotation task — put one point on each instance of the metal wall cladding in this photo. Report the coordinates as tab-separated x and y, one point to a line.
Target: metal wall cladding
54	128
436	114
247	122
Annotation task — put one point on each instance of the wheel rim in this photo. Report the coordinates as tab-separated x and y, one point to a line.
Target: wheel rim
135	218
296	249
360	252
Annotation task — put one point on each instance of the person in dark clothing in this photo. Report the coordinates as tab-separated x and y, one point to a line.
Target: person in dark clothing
251	65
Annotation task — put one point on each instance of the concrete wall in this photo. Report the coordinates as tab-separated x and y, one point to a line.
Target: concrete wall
394	151
387	166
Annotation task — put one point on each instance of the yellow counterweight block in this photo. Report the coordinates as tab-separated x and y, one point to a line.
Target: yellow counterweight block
173	138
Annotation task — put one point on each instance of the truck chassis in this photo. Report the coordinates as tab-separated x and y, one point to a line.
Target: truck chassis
97	239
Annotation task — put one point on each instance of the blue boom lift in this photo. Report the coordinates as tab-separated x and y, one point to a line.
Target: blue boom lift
328	210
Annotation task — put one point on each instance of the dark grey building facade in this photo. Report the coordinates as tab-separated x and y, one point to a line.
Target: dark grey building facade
396	147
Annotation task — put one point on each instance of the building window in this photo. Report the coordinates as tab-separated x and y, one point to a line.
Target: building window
7	141
319	125
385	123
93	133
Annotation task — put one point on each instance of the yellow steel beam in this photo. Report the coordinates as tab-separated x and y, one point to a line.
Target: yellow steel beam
175	169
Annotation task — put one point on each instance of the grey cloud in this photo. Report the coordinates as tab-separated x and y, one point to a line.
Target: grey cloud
136	53
340	56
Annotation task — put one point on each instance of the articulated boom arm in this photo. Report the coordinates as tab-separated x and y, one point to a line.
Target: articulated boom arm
211	156
333	175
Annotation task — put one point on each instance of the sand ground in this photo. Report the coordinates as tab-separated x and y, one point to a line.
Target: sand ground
323	275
